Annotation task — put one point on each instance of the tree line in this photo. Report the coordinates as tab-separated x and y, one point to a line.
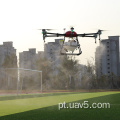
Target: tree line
69	74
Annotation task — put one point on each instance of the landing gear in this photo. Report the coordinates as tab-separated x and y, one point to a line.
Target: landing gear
68	48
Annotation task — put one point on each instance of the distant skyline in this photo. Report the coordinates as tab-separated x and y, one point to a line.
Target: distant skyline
20	19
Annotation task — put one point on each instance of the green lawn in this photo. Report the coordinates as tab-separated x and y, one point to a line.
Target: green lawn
45	107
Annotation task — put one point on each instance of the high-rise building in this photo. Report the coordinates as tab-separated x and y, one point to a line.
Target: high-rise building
7	49
52	50
27	59
107	57
52	54
8	59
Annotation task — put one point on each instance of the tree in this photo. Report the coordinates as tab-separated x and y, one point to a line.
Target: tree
69	67
10	61
91	81
44	65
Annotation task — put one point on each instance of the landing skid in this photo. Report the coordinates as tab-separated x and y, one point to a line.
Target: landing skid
71	53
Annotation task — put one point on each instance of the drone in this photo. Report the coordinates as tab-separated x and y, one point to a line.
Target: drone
69	47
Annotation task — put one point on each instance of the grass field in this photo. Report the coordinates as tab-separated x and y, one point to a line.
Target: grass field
45	107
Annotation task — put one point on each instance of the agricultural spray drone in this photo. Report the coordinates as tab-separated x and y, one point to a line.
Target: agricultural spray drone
68	48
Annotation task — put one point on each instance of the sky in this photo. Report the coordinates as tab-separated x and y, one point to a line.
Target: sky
20	19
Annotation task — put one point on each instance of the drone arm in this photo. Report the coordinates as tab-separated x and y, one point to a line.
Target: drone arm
91	35
51	36
87	36
54	35
95	36
51	33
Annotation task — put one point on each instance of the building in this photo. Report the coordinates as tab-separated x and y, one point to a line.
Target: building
27	59
107	57
8	59
52	54
52	50
7	49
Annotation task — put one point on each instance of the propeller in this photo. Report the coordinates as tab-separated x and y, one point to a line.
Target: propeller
100	32
46	29
44	32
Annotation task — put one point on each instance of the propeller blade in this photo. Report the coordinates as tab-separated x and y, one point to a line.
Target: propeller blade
100	31
46	29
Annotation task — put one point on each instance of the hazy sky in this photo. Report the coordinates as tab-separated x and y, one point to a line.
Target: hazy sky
20	19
